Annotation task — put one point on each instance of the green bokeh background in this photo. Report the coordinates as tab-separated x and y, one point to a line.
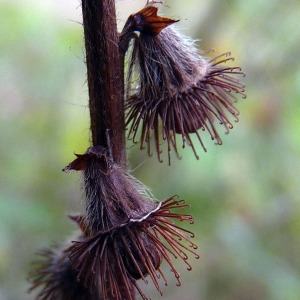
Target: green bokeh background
244	194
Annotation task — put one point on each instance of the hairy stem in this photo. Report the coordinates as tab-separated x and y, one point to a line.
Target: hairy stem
105	77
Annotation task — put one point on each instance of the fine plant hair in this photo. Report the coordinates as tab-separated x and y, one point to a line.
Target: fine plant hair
125	233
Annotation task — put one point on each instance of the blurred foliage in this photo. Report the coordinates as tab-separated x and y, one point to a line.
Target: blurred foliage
244	195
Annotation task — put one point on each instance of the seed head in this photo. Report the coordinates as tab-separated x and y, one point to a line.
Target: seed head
113	196
171	89
54	276
122	255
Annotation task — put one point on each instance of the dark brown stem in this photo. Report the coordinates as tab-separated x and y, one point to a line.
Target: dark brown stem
105	76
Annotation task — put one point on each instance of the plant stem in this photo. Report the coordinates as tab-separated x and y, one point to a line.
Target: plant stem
105	77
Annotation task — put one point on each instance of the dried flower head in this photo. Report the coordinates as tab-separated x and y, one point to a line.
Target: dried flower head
171	89
113	196
126	233
54	276
118	257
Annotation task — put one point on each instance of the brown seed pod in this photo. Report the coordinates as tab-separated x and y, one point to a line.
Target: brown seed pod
126	234
55	278
113	196
133	251
171	89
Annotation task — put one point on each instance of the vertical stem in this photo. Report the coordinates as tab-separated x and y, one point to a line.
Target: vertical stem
105	76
